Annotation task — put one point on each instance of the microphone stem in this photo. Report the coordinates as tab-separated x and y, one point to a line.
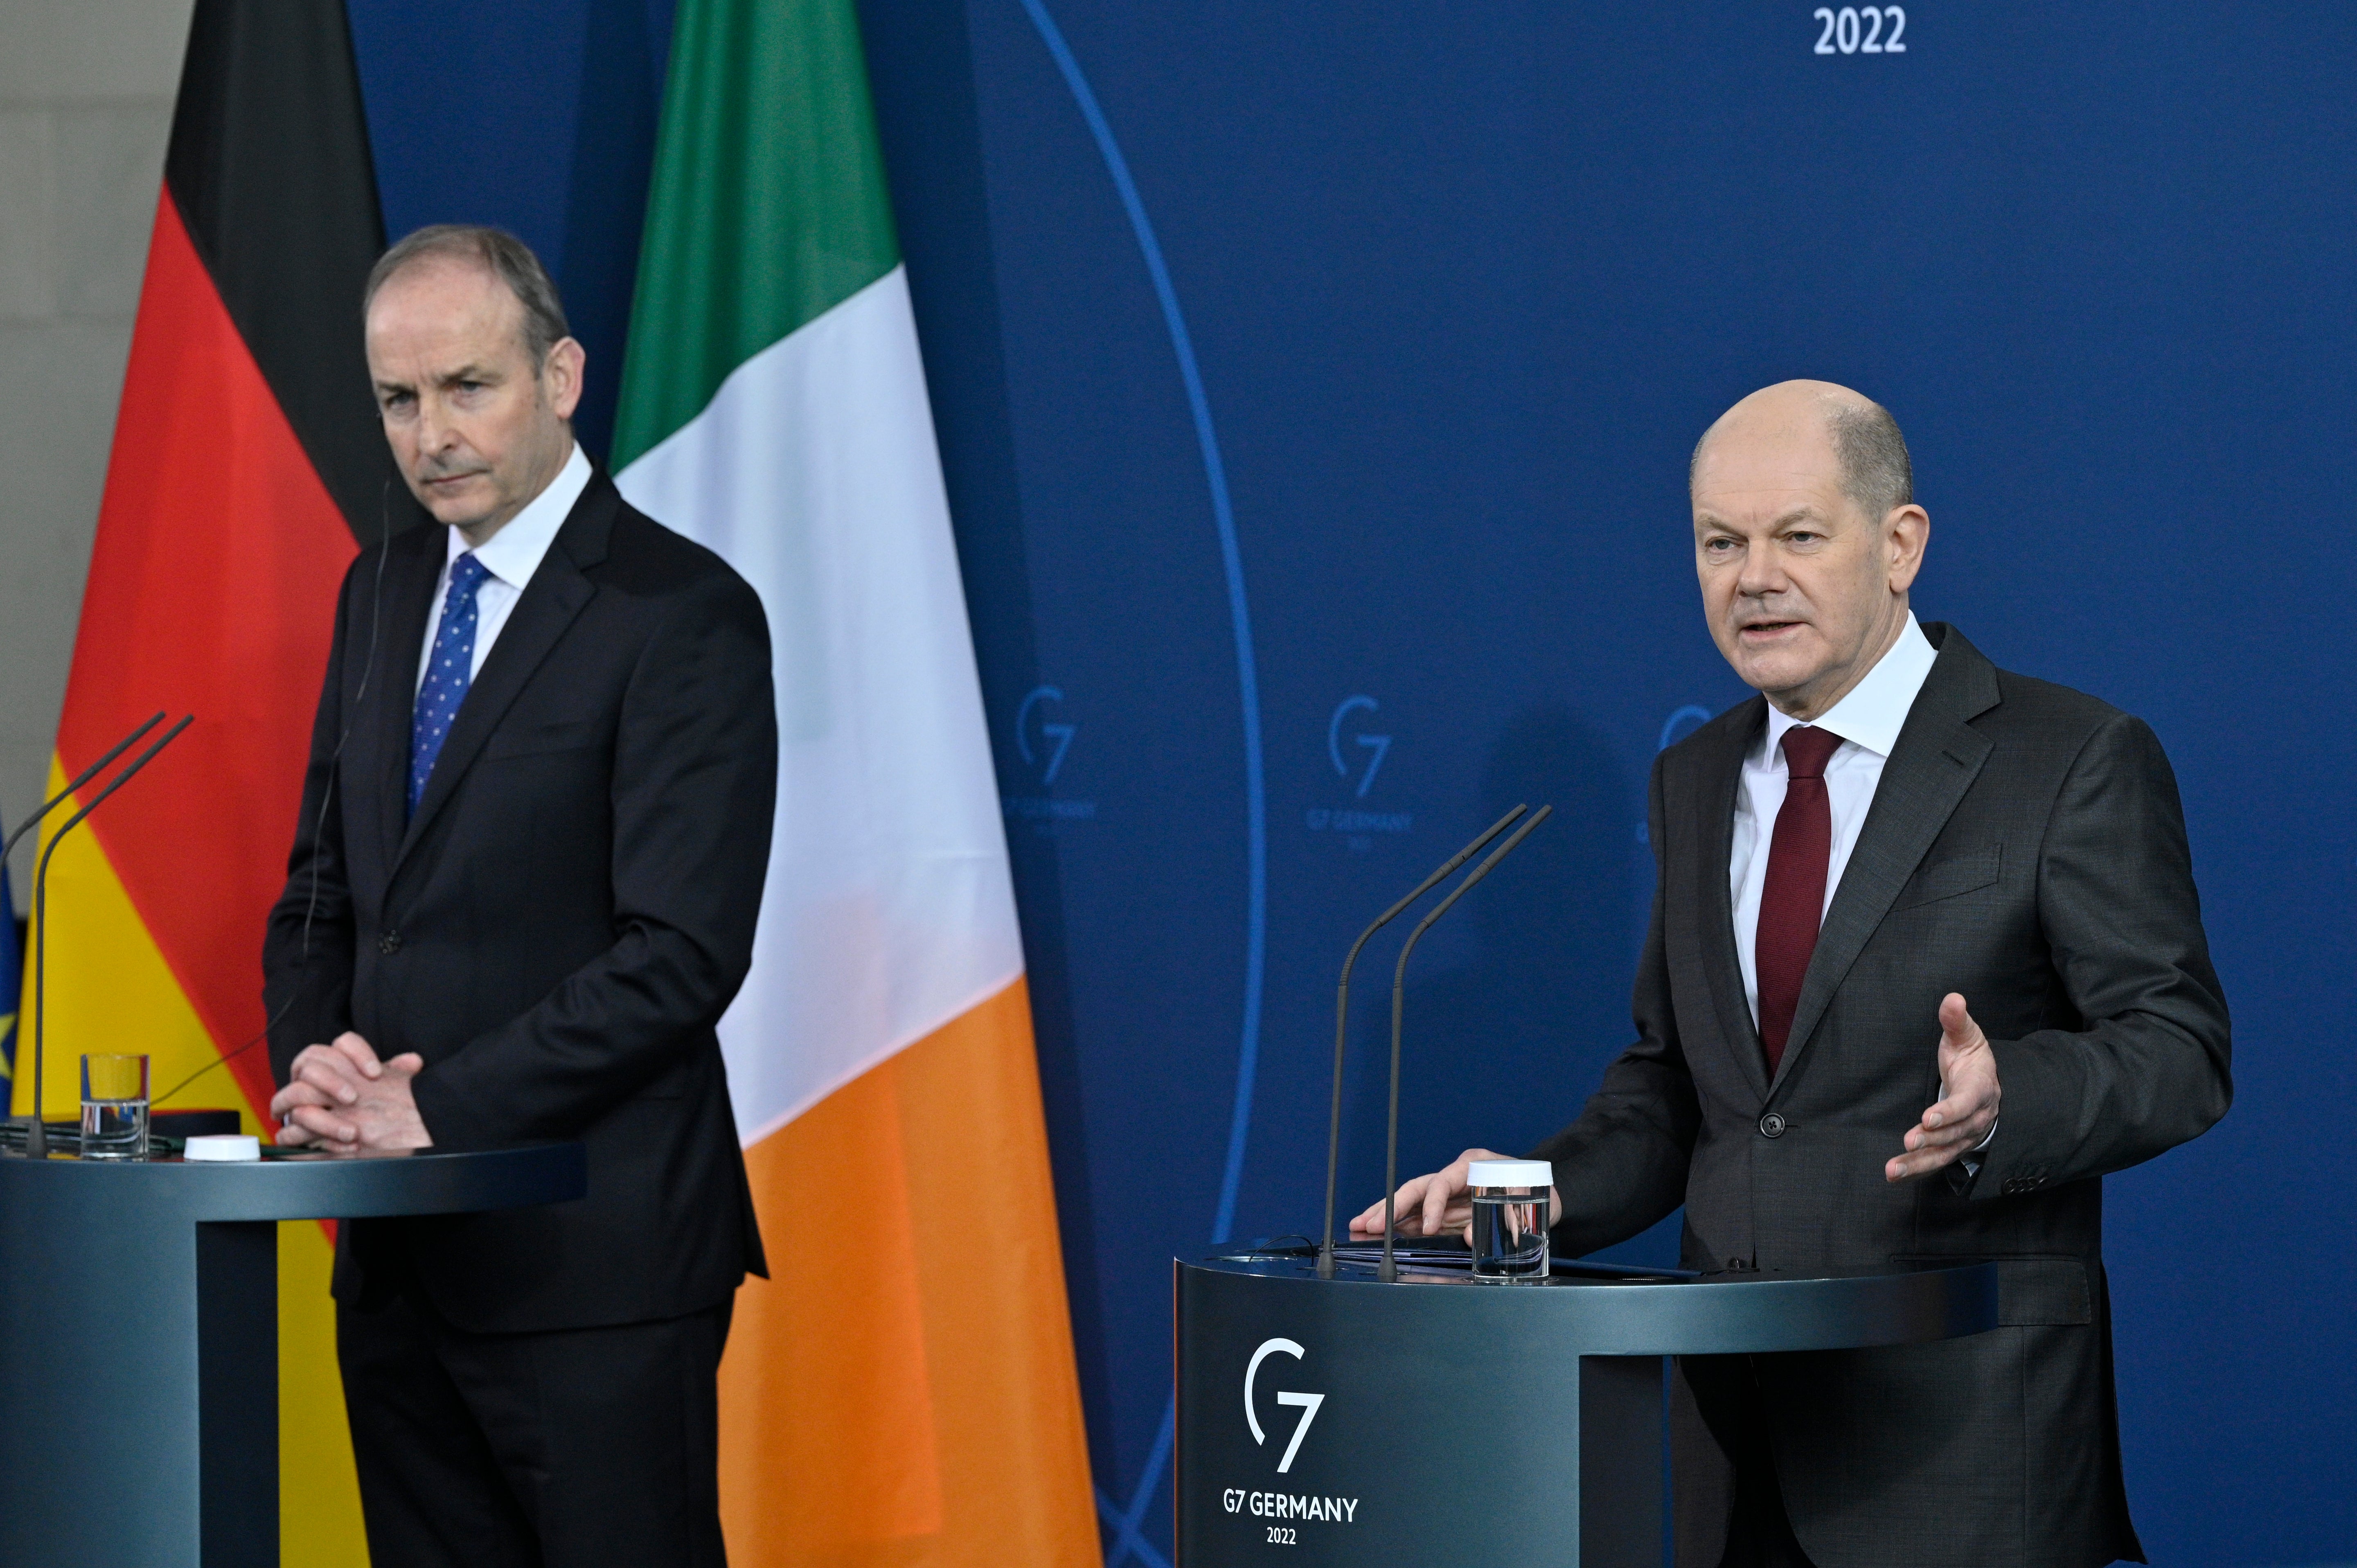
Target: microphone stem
37	1141
1389	1273
1334	1122
1342	1020
84	776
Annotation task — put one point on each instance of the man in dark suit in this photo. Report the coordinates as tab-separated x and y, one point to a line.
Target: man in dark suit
1901	876
523	891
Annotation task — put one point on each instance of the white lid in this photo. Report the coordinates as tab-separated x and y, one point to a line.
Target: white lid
223	1146
1510	1173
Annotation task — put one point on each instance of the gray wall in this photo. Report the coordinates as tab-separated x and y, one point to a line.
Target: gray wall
85	102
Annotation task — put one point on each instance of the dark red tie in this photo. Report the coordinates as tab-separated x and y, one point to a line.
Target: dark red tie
1792	903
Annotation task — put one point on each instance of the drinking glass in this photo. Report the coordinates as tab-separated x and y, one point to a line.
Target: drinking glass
1510	1219
113	1107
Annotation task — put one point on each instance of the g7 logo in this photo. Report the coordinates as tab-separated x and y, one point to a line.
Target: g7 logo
1060	735
1308	1402
1377	744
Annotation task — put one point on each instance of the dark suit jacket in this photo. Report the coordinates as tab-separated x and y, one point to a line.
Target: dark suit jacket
2026	847
560	926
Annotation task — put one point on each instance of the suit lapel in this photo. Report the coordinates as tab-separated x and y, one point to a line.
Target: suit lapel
554	595
408	604
1721	777
1935	760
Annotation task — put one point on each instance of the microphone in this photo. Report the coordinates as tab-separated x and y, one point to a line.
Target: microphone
1342	1019
1389	1273
36	1135
84	778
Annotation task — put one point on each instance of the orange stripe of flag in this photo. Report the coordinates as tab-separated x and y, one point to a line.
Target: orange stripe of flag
902	1391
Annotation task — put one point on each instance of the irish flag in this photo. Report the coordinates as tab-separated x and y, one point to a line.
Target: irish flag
901	1390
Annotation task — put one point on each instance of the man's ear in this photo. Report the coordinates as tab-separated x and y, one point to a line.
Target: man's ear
1907	534
562	375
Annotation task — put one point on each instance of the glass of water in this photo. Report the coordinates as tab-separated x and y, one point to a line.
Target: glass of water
113	1107
1510	1219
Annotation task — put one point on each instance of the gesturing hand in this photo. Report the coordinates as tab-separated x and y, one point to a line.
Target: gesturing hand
342	1098
1437	1203
1968	1097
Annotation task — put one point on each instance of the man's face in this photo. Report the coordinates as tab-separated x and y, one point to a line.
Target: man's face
1804	592
477	433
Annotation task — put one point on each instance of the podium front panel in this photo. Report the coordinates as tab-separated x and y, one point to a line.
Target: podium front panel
1441	1421
1318	1422
138	1337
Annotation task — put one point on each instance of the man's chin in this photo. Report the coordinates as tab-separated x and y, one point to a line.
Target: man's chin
1779	670
463	509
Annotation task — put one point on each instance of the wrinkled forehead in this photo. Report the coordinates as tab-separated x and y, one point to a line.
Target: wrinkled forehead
442	311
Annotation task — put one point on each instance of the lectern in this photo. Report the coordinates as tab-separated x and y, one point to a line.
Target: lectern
139	1337
1441	1420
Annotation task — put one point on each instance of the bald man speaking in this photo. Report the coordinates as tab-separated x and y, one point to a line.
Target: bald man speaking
1926	962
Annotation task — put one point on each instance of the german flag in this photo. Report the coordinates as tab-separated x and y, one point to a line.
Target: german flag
247	471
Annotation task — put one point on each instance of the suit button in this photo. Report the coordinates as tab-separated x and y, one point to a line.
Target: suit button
389	942
1772	1125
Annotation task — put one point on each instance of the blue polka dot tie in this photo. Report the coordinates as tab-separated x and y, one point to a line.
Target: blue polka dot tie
448	674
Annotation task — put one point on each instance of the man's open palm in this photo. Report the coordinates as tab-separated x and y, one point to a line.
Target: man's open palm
1968	1097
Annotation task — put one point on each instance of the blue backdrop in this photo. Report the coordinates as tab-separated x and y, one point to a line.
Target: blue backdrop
1314	382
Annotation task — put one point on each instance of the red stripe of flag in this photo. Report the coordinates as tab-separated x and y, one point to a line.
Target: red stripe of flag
212	587
247	462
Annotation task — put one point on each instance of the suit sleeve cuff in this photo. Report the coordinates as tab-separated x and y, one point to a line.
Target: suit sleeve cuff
2036	1083
450	1121
1966	1172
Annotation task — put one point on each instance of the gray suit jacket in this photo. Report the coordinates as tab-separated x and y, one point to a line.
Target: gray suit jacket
2026	848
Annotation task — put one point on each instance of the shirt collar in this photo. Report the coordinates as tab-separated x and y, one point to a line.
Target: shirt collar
1874	709
513	553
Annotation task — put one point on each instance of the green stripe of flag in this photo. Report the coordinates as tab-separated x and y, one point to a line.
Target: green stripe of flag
768	205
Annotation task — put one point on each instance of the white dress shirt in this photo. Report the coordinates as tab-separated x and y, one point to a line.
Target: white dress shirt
510	557
1869	721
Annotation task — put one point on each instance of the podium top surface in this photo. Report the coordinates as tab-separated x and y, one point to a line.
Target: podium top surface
302	1186
1630	1313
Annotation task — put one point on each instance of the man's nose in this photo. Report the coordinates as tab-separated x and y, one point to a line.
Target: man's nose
1760	574
436	432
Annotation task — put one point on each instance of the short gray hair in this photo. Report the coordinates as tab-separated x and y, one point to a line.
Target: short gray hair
1876	471
497	252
